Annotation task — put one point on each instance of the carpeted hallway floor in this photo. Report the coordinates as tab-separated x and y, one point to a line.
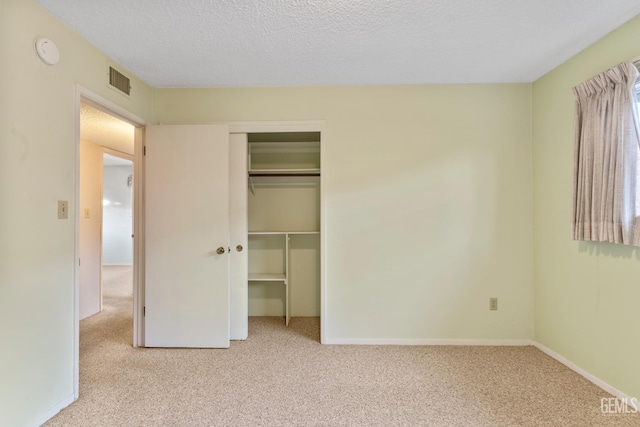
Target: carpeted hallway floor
282	376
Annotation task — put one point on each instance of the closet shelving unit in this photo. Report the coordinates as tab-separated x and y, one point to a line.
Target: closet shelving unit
289	161
284	276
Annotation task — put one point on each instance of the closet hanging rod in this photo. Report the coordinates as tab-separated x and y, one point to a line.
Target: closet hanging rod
283	174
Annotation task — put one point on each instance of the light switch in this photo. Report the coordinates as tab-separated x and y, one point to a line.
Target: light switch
63	209
87	213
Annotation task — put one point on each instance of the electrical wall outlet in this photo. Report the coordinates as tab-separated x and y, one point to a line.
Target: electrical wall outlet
493	304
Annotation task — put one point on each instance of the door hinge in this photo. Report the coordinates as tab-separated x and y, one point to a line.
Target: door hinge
144	311
144	150
78	262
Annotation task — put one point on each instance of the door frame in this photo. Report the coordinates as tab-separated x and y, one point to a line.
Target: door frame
83	94
301	126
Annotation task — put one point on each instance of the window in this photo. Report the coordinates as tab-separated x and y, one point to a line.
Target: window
606	199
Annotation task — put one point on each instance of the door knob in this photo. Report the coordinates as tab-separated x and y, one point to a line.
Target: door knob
239	248
220	250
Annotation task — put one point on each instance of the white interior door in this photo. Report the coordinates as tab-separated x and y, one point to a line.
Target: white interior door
186	221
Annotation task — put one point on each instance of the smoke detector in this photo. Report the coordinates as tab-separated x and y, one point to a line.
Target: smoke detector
47	51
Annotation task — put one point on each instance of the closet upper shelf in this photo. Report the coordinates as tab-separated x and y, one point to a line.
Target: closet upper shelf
284	147
284	155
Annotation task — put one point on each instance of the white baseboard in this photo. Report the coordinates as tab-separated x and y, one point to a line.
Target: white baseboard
53	411
597	381
427	341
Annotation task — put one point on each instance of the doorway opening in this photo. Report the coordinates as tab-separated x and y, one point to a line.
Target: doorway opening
117	237
117	209
106	151
284	219
104	127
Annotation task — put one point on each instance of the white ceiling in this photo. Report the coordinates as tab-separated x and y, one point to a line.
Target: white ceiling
231	43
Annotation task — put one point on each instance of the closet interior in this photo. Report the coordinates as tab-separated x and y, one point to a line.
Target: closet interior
283	201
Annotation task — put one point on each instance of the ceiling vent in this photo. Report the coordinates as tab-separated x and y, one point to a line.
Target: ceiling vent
119	81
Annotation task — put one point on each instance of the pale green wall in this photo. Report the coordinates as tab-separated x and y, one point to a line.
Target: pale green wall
428	201
587	295
37	168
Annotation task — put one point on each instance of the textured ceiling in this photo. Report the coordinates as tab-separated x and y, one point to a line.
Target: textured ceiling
209	43
105	130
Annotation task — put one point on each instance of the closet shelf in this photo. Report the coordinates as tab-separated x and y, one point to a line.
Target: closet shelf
284	147
284	172
267	277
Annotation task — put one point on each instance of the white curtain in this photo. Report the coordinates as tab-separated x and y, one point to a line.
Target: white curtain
606	158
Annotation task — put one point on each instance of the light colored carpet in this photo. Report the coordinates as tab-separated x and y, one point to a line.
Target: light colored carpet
282	376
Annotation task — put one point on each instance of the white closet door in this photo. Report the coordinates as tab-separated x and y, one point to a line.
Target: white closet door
238	257
186	221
